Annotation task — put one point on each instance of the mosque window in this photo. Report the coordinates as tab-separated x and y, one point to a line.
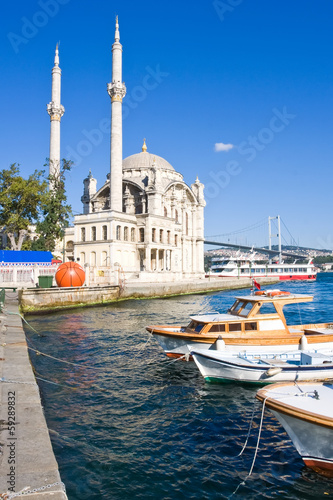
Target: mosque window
126	233
176	216
93	233
118	233
142	234
161	235
93	259
153	234
83	234
132	234
105	232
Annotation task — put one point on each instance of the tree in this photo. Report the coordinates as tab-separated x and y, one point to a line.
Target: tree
55	211
20	202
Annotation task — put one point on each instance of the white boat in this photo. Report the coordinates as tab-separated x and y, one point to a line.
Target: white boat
247	267
305	410
221	366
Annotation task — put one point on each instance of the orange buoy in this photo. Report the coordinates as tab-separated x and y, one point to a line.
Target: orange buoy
70	274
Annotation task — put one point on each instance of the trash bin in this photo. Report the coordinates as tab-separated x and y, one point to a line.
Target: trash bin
45	281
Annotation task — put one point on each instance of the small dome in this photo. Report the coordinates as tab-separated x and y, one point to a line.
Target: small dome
146	160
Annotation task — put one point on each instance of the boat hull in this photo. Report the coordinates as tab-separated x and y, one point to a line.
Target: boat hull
176	344
317	452
305	412
215	367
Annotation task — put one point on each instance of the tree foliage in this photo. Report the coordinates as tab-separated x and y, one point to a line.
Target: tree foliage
20	202
55	210
323	259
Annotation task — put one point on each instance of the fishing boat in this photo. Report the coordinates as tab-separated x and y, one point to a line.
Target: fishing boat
247	267
254	322
305	410
217	366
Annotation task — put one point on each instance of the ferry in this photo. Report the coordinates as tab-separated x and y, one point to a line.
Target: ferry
254	323
246	267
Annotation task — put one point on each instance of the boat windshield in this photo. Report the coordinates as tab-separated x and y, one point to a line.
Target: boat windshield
194	325
241	308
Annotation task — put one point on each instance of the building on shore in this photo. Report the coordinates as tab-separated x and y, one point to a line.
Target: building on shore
144	221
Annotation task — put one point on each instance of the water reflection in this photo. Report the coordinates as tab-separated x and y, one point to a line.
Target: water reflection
129	423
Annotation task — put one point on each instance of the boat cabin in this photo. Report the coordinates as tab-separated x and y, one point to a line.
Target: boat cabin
253	313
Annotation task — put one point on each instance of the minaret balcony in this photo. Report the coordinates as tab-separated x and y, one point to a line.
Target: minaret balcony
116	91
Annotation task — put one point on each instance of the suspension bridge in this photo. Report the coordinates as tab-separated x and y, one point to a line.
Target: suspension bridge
274	224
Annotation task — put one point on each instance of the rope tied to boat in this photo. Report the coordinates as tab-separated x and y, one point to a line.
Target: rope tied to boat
256	450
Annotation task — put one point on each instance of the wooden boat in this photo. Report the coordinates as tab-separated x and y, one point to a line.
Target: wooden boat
221	366
254	322
305	410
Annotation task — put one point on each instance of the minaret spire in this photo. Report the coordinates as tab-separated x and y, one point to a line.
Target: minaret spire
117	36
56	111
116	90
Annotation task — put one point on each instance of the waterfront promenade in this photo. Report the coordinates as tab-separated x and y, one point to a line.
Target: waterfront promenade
26	456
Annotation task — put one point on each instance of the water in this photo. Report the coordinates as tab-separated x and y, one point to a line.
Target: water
129	423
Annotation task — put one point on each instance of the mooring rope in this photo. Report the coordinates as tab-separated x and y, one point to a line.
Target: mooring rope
256	450
248	435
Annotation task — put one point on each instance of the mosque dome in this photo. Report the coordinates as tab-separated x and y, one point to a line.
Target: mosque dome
146	160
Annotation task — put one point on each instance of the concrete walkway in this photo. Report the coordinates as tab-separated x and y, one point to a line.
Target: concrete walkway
26	455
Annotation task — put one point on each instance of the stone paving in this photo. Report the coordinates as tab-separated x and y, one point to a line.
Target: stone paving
26	456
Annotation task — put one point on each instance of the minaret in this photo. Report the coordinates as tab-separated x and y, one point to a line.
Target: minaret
116	90
55	110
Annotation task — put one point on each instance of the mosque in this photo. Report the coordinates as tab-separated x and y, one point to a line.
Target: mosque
144	219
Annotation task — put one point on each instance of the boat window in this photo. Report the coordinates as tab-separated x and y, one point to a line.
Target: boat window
235	327
241	308
251	326
194	325
217	328
236	306
246	309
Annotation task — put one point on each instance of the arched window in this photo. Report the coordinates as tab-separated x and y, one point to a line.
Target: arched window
118	237
104	259
105	232
142	234
132	234
176	216
93	259
165	212
168	237
161	235
93	233
176	239
126	233
83	234
153	234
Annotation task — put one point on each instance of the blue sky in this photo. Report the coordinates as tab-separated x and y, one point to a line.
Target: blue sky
254	75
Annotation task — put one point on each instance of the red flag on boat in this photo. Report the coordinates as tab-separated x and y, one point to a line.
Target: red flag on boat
256	284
